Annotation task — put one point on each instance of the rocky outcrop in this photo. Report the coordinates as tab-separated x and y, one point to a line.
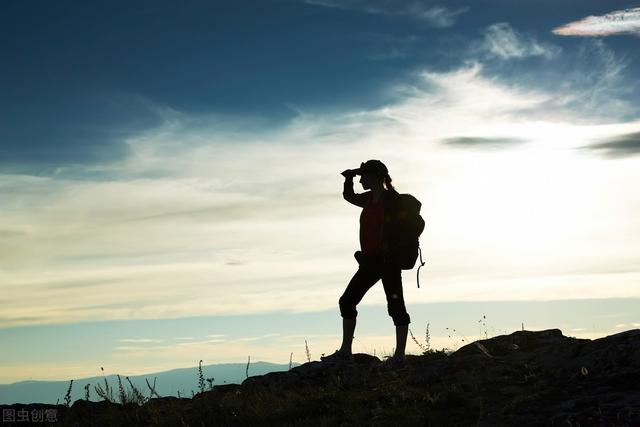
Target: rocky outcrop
525	378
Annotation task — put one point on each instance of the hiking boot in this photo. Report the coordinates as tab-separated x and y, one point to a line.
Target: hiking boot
337	357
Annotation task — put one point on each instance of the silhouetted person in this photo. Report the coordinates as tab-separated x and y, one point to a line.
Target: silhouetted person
374	259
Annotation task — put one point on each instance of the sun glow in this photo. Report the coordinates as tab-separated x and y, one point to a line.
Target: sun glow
525	195
537	207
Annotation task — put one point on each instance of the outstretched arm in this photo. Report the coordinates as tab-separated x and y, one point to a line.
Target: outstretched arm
348	193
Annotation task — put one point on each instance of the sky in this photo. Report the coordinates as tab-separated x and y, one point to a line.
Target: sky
170	174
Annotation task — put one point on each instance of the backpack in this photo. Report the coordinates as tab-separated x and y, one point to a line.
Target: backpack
405	226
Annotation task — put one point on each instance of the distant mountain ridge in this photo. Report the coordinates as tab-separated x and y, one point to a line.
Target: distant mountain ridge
168	383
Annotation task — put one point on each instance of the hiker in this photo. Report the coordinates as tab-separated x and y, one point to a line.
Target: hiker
375	259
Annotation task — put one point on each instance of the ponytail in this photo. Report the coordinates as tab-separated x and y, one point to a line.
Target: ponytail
387	183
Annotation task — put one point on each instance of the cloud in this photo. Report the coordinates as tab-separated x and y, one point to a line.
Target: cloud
438	16
155	235
257	338
592	79
482	142
596	84
433	15
138	348
502	41
618	146
618	22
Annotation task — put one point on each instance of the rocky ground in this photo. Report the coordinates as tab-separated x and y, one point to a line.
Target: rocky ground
526	378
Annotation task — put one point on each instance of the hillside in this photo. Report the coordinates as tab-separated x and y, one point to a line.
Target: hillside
526	378
168	383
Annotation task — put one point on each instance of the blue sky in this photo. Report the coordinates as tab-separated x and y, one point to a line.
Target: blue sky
89	74
163	160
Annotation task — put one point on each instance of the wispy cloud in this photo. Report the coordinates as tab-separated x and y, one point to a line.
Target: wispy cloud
618	146
198	196
483	142
503	41
597	84
618	22
434	15
257	338
132	348
438	16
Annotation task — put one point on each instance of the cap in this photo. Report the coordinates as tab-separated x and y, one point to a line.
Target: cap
372	167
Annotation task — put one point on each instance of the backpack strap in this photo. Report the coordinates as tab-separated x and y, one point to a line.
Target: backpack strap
421	264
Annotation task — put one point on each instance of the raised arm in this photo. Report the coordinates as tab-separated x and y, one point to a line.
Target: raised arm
348	193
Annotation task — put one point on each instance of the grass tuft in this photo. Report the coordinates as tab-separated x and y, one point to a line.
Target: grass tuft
67	396
152	389
121	392
426	347
105	393
137	397
200	377
124	396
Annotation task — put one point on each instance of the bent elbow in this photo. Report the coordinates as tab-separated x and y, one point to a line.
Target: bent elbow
350	198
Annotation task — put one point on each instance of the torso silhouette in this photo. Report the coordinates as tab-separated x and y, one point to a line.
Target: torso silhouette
376	218
371	220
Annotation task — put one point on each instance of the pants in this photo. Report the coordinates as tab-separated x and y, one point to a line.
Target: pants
371	269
